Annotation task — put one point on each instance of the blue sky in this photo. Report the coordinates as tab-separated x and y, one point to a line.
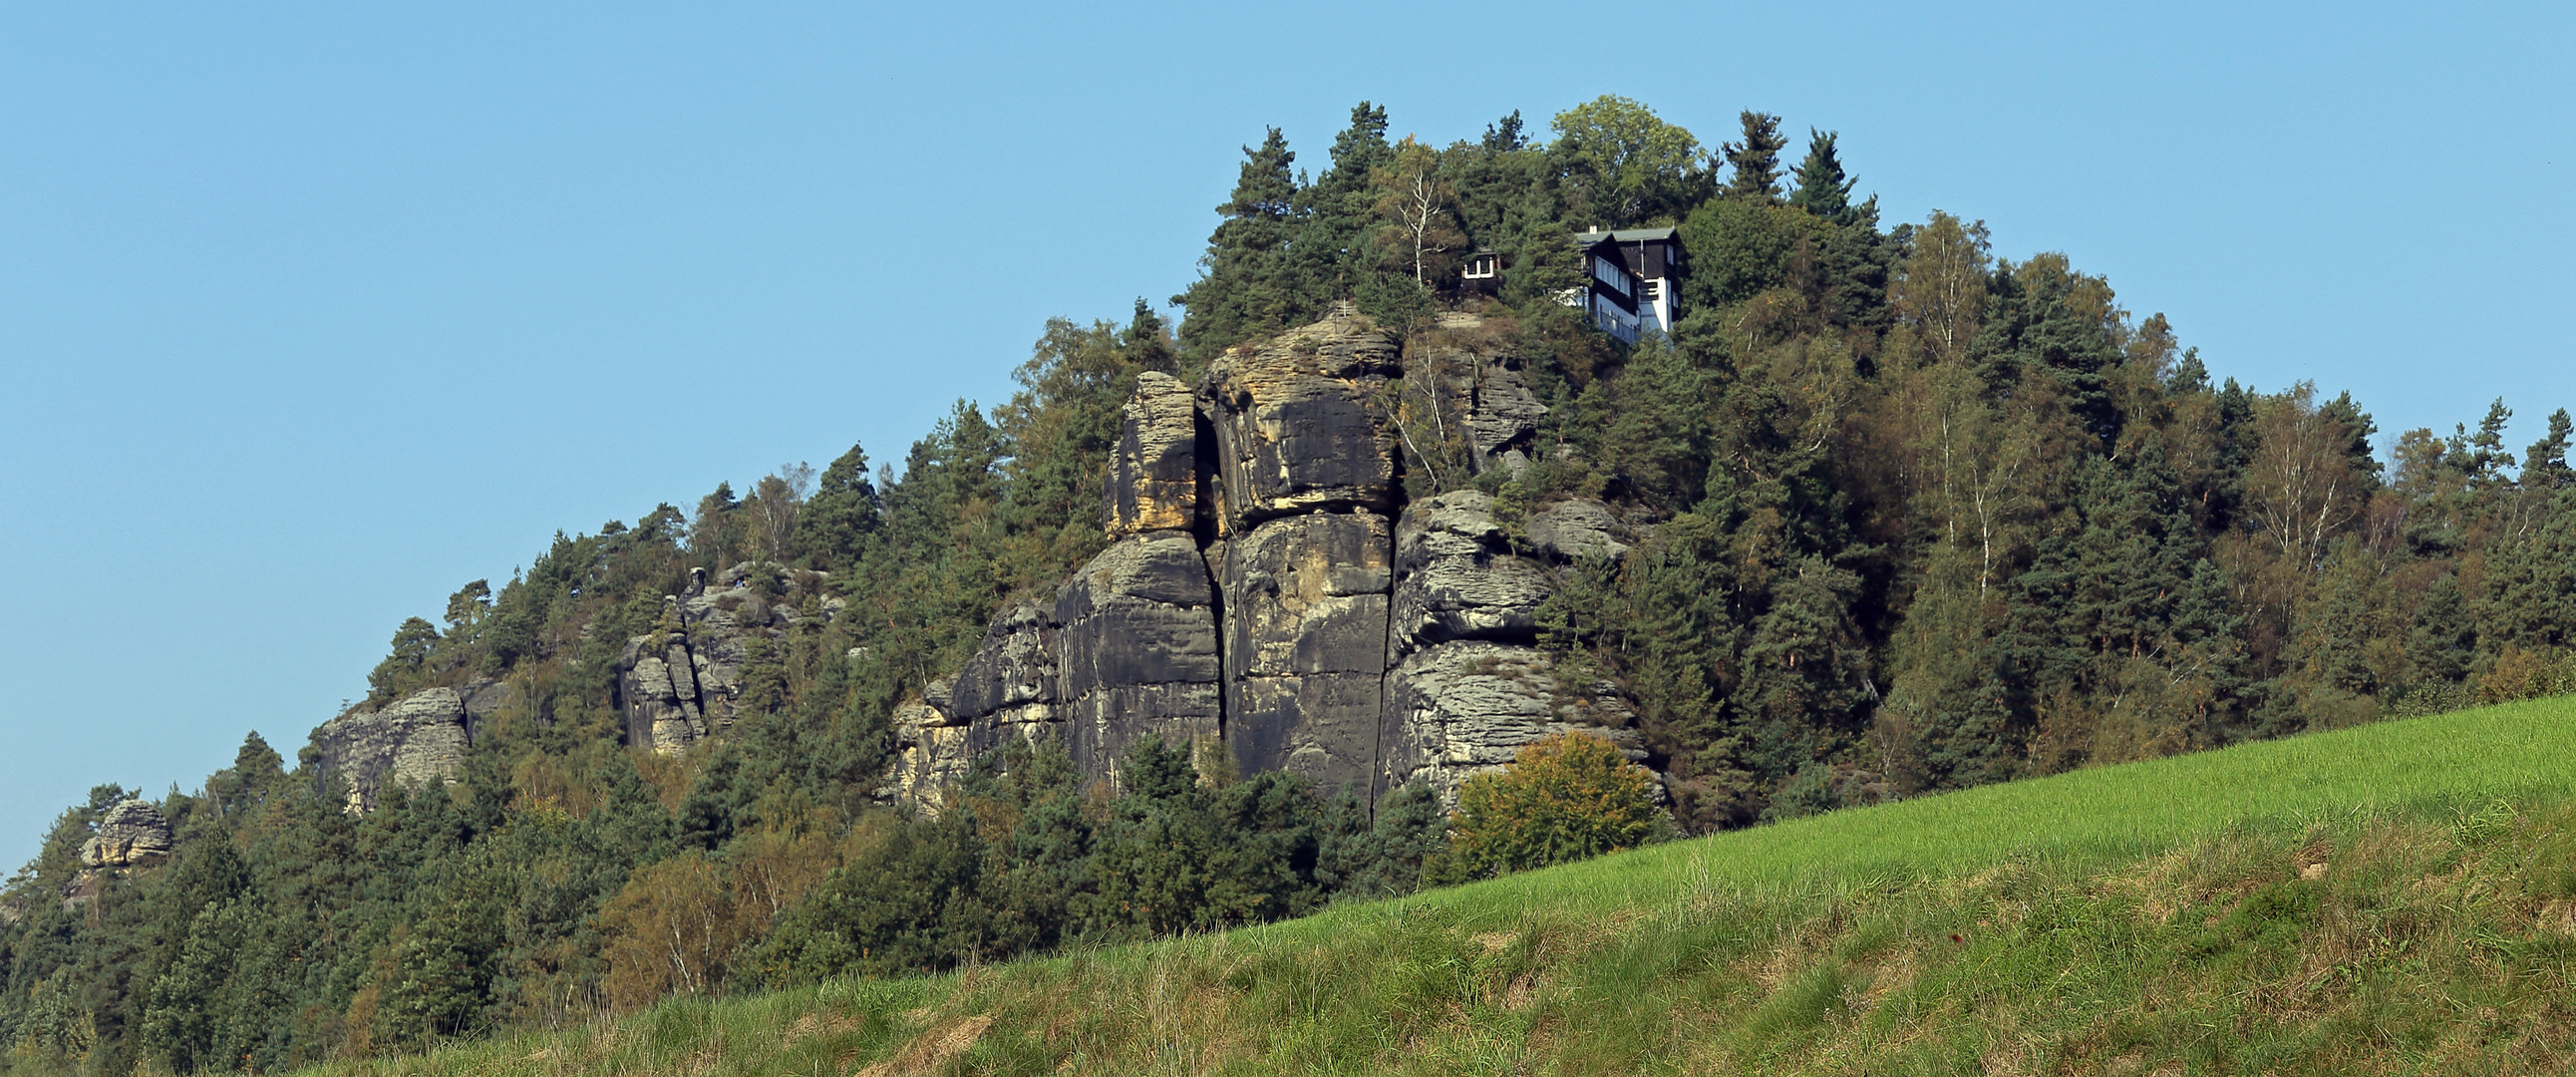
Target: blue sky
311	313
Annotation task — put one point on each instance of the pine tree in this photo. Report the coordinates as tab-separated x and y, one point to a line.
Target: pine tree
1756	160
1247	286
836	521
1822	189
2544	465
1333	249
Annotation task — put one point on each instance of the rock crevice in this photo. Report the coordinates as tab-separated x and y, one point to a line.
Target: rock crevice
1267	588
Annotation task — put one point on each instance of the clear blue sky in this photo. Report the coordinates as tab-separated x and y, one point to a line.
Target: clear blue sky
311	313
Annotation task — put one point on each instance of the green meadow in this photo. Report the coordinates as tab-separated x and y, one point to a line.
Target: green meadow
2391	898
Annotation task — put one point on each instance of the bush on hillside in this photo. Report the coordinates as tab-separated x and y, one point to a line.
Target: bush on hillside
1568	797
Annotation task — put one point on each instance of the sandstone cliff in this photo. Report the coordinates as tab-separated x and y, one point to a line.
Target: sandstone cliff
1267	589
682	682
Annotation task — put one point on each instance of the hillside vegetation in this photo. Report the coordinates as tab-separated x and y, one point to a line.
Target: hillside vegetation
1904	517
2399	898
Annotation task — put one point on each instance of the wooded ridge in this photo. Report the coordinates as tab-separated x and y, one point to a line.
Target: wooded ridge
1218	623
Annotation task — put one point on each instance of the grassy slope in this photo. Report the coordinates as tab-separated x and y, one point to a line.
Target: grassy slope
2393	898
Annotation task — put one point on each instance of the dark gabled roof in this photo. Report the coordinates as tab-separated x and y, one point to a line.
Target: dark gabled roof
1629	235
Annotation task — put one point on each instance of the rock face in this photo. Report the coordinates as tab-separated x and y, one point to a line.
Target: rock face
1267	585
1491	396
1577	529
1299	423
932	751
1154	472
684	681
1137	649
1306	614
416	740
1461	579
1010	684
132	834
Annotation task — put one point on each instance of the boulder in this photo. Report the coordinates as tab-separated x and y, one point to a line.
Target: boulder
1456	576
1577	529
1154	470
1300	423
1305	601
417	740
1137	650
131	834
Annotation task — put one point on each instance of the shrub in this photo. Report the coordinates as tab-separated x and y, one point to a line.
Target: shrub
1567	797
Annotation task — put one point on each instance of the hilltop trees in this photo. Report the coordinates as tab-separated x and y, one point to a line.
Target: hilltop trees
1250	285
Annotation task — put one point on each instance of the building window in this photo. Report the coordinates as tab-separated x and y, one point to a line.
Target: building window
1610	274
1483	266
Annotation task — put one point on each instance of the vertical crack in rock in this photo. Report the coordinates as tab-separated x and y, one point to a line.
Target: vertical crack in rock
1305	471
1266	582
1137	650
1299	424
683	683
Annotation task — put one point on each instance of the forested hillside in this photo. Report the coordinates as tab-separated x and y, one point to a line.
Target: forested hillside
1906	515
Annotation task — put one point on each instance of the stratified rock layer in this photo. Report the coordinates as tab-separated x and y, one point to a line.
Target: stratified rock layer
1460	576
1460	709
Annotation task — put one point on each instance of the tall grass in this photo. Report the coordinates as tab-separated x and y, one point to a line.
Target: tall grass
2397	898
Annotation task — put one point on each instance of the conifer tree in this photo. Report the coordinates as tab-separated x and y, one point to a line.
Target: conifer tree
2544	465
1756	159
1247	285
837	520
1333	241
1822	188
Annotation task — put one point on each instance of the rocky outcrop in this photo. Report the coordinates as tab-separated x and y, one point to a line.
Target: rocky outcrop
1459	709
1460	578
1267	585
1578	529
684	680
1010	686
417	740
132	834
1300	423
657	688
932	751
1154	474
1490	396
